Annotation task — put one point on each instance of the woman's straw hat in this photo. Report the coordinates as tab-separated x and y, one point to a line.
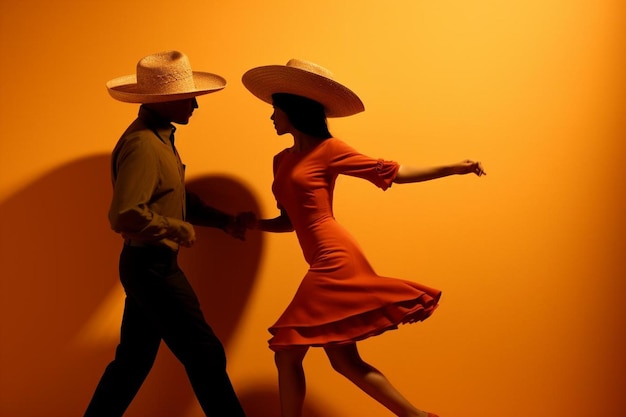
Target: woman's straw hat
164	76
306	79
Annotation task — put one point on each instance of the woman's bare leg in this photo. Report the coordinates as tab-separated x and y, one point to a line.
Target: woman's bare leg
291	380
346	360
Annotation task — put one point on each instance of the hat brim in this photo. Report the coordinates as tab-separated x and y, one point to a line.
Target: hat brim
126	89
337	99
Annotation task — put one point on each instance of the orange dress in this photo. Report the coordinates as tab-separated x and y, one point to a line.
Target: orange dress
340	299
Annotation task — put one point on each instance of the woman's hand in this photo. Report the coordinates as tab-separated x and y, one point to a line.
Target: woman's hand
239	224
470	167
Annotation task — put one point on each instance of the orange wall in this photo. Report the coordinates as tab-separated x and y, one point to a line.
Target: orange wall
530	258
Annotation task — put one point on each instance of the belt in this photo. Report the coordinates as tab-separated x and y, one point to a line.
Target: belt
136	243
141	244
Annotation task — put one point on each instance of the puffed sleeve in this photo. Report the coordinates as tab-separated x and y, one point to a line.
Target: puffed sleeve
343	159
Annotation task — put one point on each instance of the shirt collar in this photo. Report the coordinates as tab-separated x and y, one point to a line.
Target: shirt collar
161	127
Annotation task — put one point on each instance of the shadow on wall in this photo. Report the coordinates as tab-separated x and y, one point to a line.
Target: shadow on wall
263	401
60	268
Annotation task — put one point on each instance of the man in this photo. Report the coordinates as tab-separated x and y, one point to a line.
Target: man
153	213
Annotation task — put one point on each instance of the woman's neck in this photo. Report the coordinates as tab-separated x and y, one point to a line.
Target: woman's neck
303	142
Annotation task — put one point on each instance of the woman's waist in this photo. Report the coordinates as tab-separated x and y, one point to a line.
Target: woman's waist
324	240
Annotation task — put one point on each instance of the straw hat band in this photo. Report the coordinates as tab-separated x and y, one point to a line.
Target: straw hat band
167	82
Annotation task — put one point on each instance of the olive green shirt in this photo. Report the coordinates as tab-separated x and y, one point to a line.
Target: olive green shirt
149	196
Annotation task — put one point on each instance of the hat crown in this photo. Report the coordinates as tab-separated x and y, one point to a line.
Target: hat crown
165	72
310	67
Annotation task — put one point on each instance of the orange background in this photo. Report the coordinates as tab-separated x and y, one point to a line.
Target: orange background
530	258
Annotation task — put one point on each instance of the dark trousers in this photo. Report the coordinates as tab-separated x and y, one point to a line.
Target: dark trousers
161	304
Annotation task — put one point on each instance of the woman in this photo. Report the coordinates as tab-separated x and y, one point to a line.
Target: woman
341	300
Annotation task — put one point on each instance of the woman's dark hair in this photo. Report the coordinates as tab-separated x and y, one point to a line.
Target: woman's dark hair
306	115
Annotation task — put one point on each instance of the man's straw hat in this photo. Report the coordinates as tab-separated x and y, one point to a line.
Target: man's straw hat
306	79
164	76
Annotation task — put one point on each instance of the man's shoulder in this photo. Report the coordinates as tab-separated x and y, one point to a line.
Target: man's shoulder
136	136
136	129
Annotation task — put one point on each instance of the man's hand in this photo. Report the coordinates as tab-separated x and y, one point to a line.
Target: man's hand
240	223
183	233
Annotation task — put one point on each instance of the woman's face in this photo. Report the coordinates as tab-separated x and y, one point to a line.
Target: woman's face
281	122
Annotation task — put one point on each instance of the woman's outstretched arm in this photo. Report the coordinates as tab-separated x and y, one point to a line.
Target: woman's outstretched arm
407	174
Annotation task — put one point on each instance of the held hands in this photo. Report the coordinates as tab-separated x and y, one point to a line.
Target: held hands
469	167
247	219
240	223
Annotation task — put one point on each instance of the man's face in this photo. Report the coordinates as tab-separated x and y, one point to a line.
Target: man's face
178	111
